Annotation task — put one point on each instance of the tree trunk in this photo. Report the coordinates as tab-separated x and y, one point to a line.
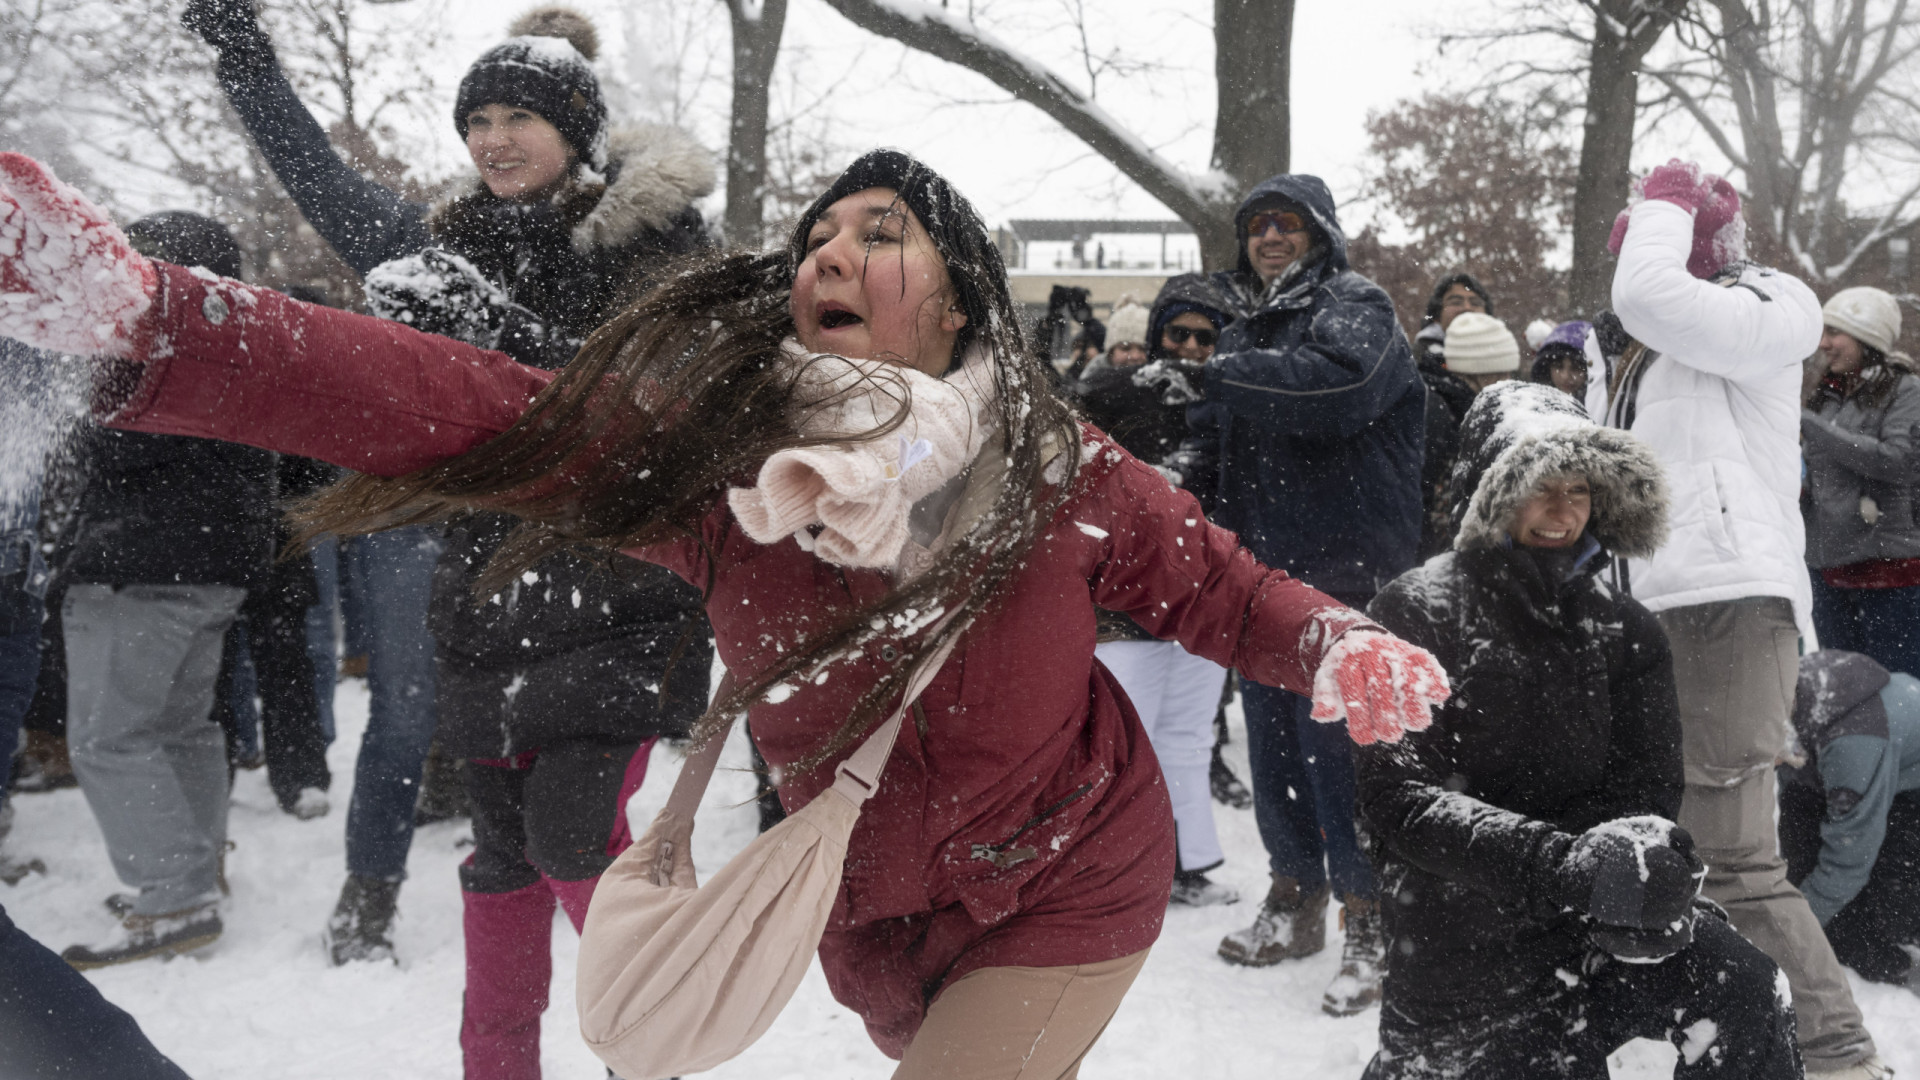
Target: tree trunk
757	26
1622	34
1253	126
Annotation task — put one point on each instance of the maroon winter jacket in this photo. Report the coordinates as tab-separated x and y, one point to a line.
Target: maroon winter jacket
1028	826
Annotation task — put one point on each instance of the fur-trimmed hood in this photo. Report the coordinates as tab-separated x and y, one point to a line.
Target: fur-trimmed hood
654	173
1518	435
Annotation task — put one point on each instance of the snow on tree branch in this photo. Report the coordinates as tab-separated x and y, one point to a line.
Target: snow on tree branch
957	40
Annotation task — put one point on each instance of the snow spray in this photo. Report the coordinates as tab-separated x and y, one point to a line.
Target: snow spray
43	399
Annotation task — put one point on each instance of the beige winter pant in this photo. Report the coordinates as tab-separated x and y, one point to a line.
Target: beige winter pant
1018	1023
1735	664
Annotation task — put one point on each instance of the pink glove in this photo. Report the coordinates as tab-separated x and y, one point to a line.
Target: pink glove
1678	182
69	281
1384	687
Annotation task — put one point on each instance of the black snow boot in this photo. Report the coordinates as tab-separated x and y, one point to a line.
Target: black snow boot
1363	959
1227	788
362	922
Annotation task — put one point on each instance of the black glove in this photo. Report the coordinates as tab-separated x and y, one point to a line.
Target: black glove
1652	946
440	293
231	26
1638	873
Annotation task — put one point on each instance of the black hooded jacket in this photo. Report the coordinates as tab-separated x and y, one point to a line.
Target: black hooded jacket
1312	430
574	649
172	509
1563	713
1144	408
1448	398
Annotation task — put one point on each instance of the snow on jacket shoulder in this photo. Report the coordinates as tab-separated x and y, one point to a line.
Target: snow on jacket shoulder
1720	405
1316	415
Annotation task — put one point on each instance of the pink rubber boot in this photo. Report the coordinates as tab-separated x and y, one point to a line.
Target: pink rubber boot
574	897
509	964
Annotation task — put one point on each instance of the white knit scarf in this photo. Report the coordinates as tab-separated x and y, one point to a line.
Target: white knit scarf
859	492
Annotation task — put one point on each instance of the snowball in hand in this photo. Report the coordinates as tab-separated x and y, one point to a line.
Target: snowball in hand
69	281
1382	686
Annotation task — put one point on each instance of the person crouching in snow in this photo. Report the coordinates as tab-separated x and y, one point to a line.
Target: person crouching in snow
835	442
1540	903
1850	810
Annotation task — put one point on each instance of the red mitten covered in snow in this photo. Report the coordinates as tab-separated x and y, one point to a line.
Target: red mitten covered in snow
1384	687
69	280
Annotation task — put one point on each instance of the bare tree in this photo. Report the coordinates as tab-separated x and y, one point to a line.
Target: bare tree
1808	99
136	98
1251	130
1600	46
757	26
1475	185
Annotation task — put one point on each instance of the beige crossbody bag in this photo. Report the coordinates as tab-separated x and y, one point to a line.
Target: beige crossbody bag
676	977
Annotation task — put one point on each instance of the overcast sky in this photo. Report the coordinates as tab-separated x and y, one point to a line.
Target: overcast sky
1349	56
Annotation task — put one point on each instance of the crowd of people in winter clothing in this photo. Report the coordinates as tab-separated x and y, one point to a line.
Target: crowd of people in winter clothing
1530	660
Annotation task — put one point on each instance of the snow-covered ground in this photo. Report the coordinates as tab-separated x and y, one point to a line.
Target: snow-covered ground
263	1001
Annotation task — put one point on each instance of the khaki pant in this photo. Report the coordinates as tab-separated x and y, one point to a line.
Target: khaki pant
1018	1023
1735	664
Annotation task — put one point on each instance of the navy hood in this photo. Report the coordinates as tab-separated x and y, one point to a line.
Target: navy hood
1310	194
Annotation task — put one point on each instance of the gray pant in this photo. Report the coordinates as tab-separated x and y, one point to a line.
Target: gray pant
1735	663
142	661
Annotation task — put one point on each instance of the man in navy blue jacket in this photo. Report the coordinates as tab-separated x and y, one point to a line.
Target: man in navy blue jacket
1309	446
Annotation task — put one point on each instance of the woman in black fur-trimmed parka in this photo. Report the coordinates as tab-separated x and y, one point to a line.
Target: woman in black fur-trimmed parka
553	690
1539	901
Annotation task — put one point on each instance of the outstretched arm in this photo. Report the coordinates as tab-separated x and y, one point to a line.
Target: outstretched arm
187	353
1154	556
365	222
222	360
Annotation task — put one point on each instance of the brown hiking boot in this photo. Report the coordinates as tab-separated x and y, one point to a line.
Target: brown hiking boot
1363	959
1291	924
43	764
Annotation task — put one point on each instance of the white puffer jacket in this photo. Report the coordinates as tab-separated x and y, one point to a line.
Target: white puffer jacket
1721	408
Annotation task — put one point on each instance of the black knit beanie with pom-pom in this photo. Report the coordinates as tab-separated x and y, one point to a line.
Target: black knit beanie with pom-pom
544	66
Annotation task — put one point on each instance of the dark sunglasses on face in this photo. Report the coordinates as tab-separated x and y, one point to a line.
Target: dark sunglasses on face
1180	335
1285	220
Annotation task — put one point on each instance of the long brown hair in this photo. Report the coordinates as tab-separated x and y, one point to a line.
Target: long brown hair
685	393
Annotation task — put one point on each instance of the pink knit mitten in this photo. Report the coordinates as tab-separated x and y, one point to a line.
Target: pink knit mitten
69	280
1382	686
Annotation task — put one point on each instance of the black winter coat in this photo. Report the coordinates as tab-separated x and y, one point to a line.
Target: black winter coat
577	651
1315	415
1563	713
172	510
1563	716
1448	398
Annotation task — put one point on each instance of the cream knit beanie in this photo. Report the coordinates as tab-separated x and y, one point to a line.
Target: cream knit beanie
1871	316
1127	324
1480	345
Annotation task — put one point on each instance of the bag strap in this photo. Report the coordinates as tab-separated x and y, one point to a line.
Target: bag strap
857	777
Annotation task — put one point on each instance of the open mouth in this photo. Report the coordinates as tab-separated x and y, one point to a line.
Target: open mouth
835	317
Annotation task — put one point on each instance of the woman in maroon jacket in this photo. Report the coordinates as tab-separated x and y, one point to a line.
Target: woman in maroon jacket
1003	886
